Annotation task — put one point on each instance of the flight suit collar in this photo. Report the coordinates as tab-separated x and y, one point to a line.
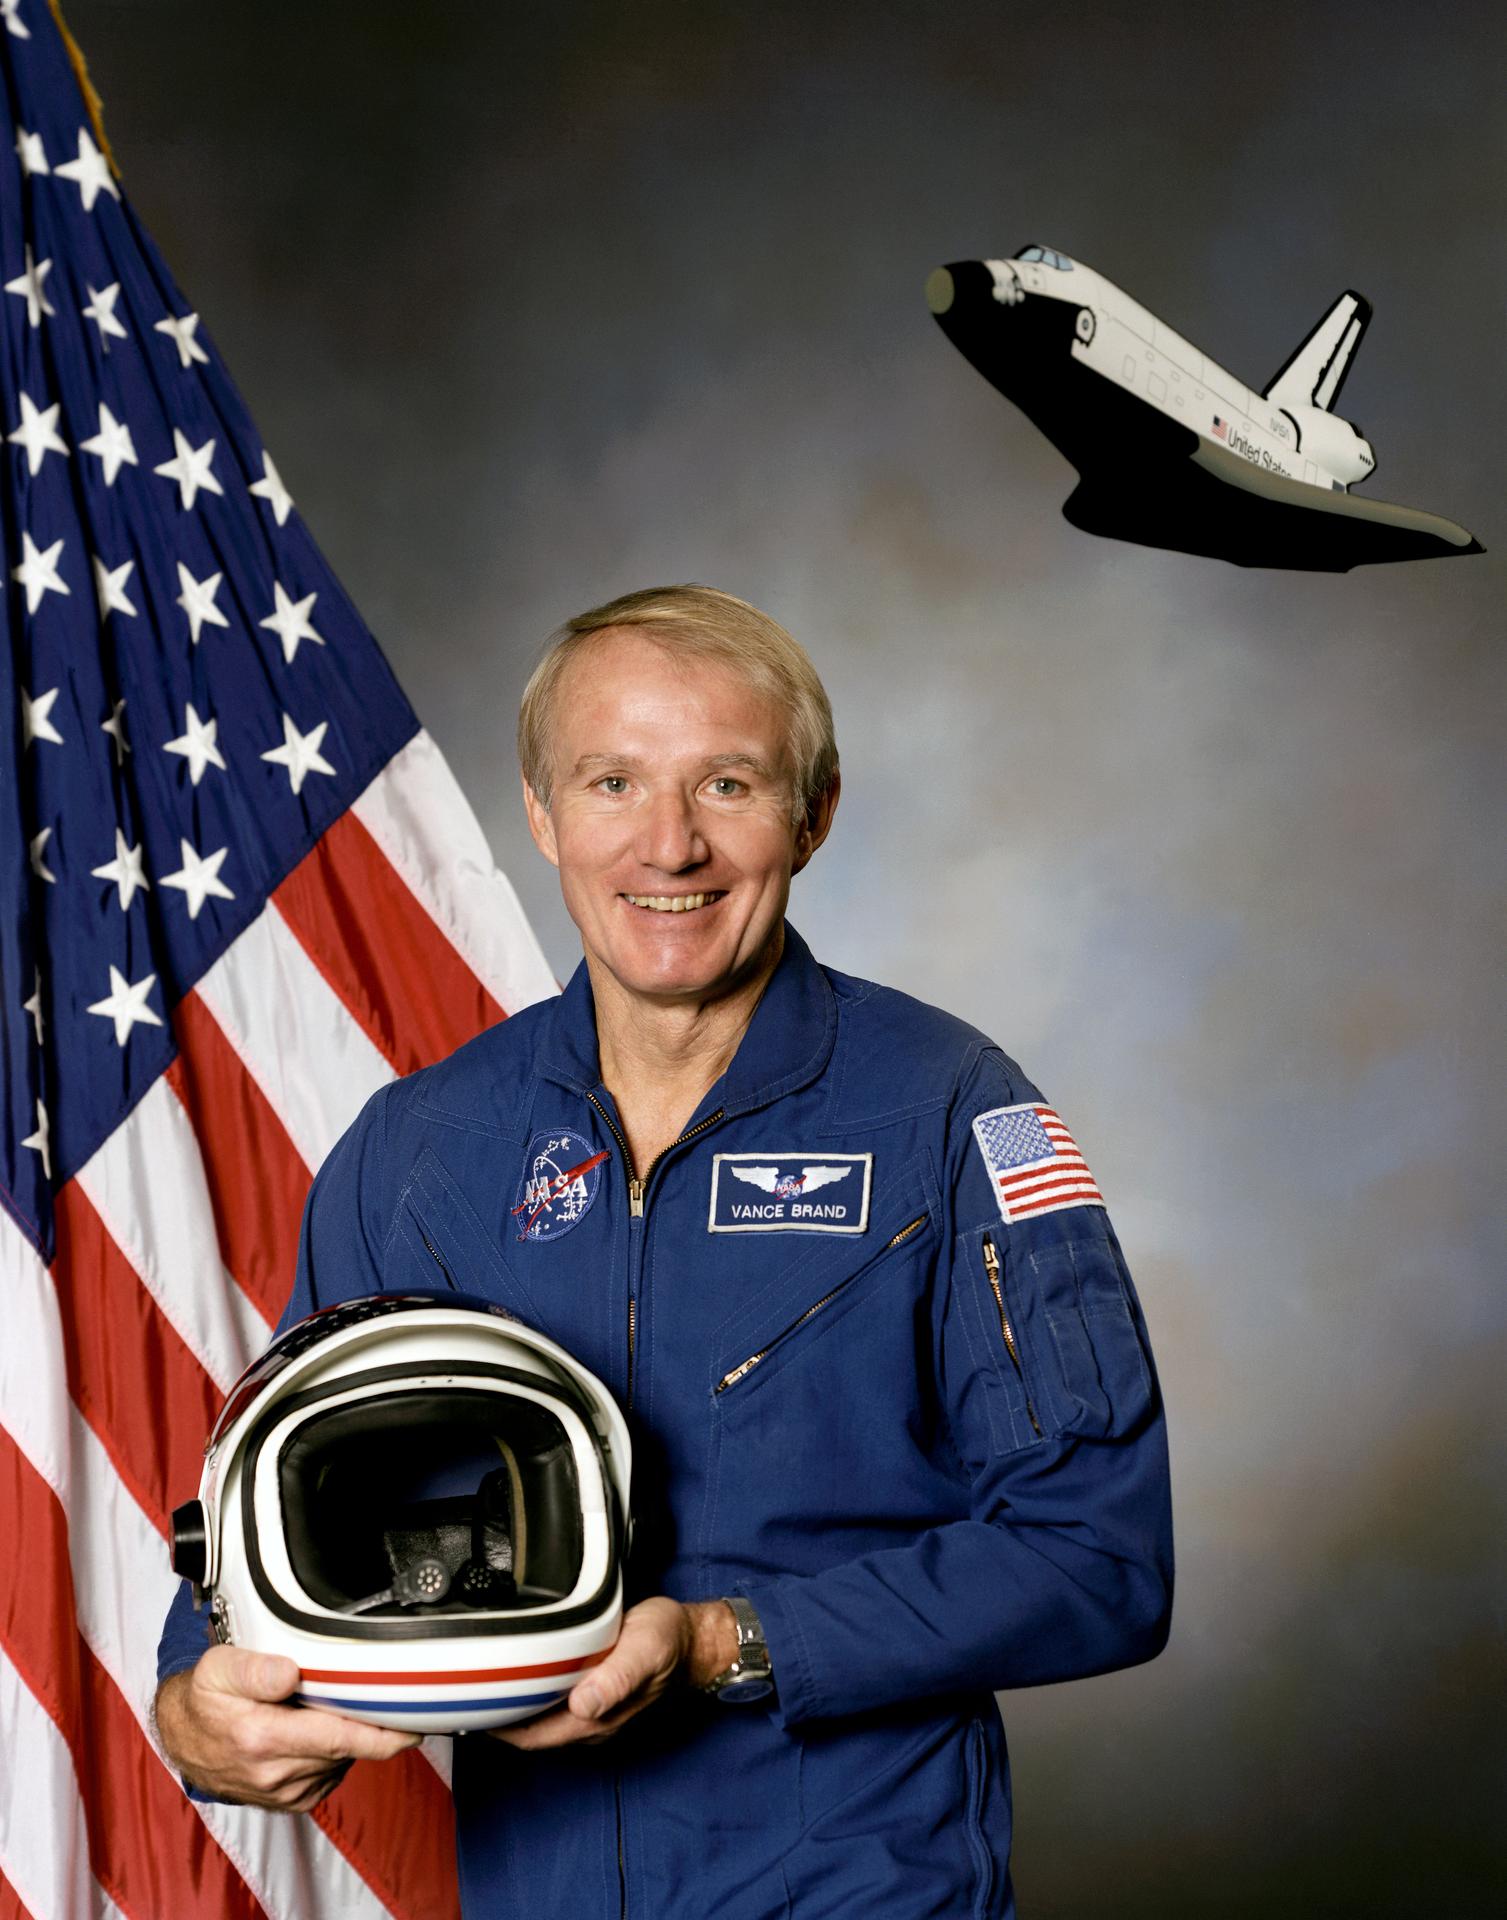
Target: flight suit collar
788	1043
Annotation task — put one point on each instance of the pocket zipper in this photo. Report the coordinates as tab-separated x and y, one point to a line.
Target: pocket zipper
996	1287
730	1379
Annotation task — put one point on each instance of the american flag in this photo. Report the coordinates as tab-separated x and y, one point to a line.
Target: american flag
1221	428
1034	1162
242	891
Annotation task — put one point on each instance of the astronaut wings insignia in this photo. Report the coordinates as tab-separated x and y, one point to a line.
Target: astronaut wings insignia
765	1177
790	1182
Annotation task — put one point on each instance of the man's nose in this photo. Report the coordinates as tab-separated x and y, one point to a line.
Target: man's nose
671	838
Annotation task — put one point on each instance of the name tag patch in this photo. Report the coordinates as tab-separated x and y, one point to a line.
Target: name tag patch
771	1192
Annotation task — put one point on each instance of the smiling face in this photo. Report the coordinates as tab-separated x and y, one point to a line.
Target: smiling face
670	818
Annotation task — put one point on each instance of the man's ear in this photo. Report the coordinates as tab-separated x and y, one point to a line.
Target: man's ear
817	824
540	825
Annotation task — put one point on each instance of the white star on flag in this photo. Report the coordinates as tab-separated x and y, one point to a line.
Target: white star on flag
196	744
90	173
115	726
126	1004
101	310
300	753
270	488
290	621
35	721
183	330
125	870
30	152
190	468
38	571
38	1141
112	446
13	21
33	1006
29	286
110	587
199	878
39	866
198	601
38	432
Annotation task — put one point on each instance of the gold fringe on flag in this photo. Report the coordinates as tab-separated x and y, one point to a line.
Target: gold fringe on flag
86	87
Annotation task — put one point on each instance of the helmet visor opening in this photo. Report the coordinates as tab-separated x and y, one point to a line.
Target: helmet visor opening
437	1501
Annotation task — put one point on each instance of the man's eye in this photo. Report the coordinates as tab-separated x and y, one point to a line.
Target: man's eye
725	786
613	783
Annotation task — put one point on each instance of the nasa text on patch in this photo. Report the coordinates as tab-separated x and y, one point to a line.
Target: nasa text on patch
1034	1163
769	1192
561	1173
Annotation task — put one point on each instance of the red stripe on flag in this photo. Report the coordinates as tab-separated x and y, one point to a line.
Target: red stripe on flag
147	1847
257	1180
395	1822
1070	1176
1052	1200
151	1404
131	1376
10	1902
401	979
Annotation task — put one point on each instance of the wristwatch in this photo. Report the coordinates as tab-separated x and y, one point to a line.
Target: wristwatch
750	1677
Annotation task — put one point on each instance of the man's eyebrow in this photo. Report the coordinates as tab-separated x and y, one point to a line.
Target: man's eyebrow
750	761
589	760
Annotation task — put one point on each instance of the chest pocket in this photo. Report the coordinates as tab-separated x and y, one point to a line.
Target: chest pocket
812	1297
440	1241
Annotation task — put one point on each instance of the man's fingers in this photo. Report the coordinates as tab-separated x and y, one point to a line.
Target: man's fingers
253	1676
309	1733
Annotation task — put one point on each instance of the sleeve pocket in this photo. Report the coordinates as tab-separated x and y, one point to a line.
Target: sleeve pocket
1100	1371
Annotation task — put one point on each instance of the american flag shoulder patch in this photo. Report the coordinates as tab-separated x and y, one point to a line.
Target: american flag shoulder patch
1035	1165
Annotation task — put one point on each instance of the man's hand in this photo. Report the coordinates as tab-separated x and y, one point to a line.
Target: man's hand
659	1638
223	1729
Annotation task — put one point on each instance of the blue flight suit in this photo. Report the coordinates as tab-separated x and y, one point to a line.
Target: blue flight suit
919	1515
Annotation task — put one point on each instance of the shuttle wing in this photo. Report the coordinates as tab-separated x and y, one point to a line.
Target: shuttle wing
1313	376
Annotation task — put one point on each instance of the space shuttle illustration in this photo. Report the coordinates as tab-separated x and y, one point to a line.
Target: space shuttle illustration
1171	450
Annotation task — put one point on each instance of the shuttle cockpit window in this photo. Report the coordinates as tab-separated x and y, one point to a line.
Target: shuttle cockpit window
1047	258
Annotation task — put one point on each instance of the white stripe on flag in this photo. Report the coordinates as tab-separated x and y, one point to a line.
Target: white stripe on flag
123	1583
293	1034
122	1587
44	1842
33	1398
418	816
147	1185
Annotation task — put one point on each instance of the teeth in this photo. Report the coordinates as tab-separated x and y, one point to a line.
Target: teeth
670	902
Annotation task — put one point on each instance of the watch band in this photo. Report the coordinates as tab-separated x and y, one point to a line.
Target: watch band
750	1676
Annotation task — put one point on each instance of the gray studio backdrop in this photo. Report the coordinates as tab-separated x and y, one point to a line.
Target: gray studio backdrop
536	304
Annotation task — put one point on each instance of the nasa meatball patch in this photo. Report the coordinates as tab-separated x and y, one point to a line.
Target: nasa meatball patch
770	1192
561	1173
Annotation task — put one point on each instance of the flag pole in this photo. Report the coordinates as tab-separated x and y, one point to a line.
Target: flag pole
86	86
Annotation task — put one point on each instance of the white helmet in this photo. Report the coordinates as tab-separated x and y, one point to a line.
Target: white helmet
422	1502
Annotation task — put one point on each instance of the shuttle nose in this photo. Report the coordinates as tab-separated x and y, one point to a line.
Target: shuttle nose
964	283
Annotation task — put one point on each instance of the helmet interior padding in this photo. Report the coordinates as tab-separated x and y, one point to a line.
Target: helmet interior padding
484	1482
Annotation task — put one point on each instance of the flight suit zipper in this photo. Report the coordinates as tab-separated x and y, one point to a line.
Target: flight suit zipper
637	1197
747	1366
996	1286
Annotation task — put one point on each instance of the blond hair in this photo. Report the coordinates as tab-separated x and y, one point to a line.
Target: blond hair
697	623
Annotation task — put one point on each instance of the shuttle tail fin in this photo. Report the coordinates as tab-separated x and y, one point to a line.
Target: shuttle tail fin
1314	374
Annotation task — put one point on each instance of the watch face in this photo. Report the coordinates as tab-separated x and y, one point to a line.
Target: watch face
737	1692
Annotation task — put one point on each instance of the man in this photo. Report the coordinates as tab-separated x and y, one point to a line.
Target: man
897	1435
